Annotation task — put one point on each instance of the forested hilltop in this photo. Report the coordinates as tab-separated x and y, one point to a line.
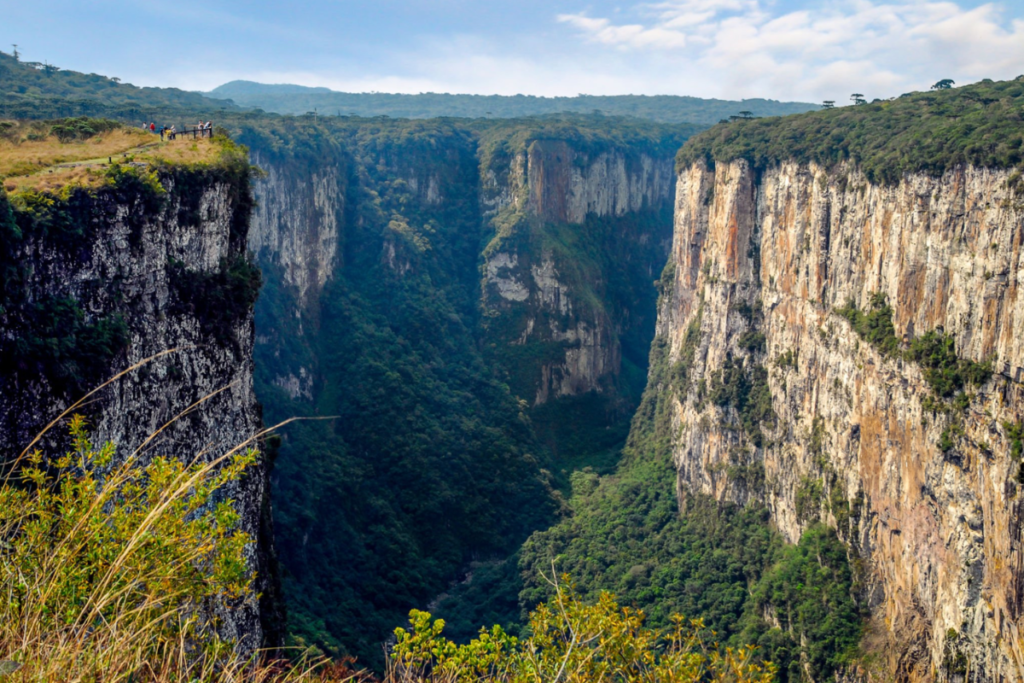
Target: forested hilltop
296	99
33	90
980	124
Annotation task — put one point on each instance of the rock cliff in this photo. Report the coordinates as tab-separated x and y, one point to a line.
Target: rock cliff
552	284
787	405
296	222
104	279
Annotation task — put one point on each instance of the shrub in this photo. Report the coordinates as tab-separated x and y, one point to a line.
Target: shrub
875	325
574	642
946	372
108	567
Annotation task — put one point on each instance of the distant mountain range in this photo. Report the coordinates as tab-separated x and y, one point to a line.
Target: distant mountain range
34	90
297	99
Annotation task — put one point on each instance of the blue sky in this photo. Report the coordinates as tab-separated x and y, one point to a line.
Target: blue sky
782	49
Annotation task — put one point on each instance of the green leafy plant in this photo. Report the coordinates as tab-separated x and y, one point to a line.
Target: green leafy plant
105	561
576	642
874	325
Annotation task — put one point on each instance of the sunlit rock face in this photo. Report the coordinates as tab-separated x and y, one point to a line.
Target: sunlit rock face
553	183
937	532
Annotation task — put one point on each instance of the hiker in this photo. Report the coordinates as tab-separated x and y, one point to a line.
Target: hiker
152	127
162	129
173	132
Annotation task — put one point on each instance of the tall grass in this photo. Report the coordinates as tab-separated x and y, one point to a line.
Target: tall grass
113	569
109	570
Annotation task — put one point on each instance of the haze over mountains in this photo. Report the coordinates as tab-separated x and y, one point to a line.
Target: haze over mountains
297	99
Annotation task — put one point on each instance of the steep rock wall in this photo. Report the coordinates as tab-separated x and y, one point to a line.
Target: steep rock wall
551	290
295	236
131	261
297	221
937	532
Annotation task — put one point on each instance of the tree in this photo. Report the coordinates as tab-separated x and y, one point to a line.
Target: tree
828	104
746	114
944	84
858	98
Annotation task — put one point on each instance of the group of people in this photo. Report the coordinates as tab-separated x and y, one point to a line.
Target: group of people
171	132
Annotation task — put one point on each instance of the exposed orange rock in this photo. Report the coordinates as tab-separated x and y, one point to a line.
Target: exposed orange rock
938	533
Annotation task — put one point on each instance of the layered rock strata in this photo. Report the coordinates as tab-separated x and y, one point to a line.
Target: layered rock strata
854	438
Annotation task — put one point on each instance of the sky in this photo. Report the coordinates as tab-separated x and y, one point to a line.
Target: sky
778	49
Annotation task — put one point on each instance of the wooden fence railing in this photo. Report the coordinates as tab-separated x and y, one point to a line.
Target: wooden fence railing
194	132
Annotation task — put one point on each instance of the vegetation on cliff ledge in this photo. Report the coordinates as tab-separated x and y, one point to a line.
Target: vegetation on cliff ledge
927	132
946	373
722	562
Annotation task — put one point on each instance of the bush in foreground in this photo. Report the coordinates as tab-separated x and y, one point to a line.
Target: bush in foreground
574	642
108	570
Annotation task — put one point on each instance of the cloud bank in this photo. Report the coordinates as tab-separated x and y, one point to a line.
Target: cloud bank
878	48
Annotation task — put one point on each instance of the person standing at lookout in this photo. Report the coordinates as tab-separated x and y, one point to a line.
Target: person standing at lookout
152	127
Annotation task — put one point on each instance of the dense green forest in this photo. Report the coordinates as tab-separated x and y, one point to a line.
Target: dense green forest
34	90
725	564
39	90
624	532
931	132
296	99
435	458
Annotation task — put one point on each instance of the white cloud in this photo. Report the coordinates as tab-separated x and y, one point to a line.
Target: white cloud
706	48
877	47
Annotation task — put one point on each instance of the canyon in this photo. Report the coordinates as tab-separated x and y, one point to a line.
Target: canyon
422	272
771	377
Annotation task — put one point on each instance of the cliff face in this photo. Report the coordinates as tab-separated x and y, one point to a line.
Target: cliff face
296	223
126	277
296	234
789	406
553	290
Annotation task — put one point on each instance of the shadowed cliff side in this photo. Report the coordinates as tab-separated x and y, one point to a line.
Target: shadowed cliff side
96	279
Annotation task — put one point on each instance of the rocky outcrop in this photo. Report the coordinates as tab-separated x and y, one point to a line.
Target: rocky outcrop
928	501
151	266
